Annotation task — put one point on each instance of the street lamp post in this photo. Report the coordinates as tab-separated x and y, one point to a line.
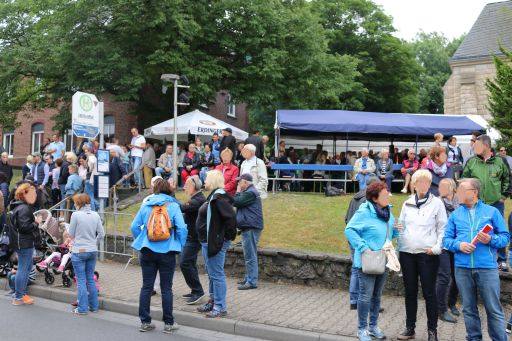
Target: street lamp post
168	78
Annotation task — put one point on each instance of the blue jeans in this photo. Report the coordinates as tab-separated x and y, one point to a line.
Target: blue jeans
202	173
215	269
370	293
159	171
152	263
354	280
89	190
63	193
188	265
136	162
24	268
502	253
250	238
487	282
84	264
362	178
389	179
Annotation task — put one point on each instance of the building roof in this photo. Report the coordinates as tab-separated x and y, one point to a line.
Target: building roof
493	27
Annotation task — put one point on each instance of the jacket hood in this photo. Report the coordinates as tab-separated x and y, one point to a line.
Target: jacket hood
159	200
360	195
17	203
220	194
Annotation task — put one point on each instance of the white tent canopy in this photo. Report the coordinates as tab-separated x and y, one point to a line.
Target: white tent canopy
195	123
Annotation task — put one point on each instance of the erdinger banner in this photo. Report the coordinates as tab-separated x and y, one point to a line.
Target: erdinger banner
195	123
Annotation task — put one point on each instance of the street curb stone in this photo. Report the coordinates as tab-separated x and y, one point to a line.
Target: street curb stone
223	325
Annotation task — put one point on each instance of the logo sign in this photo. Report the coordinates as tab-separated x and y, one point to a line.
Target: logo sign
85	115
207	123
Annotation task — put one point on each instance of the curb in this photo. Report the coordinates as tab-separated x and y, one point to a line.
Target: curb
224	325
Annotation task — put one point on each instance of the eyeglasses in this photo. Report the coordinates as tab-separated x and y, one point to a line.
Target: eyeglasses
503	150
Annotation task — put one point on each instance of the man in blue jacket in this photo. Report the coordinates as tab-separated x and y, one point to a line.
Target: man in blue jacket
475	265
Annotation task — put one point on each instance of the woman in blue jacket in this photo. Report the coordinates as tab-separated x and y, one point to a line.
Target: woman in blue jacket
158	256
367	230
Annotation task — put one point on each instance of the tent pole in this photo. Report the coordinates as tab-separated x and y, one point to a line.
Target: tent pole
416	145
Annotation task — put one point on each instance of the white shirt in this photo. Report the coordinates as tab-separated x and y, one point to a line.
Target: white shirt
257	169
138	141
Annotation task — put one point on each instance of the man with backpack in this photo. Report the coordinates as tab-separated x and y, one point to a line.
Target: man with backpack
159	233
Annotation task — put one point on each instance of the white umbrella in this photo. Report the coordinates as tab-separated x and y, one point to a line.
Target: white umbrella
195	123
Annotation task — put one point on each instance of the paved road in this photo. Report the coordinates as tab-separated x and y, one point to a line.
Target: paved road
49	321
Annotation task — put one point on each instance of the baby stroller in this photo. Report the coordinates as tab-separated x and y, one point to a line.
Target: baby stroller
6	253
51	239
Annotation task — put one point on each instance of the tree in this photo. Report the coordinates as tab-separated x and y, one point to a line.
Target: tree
433	52
500	94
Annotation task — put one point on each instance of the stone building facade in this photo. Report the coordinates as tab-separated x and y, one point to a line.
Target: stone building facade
472	64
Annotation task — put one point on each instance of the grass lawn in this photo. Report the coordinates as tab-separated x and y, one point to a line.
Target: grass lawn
307	221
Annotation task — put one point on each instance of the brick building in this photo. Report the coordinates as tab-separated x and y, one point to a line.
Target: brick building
36	127
472	64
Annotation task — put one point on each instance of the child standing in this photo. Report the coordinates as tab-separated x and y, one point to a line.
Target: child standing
74	184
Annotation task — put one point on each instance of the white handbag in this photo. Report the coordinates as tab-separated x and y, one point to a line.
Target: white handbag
374	262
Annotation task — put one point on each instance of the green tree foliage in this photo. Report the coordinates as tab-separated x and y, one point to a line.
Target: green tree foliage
500	95
433	52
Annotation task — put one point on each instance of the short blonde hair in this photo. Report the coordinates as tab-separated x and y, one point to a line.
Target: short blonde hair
227	151
421	174
384	151
451	184
30	159
438	136
215	179
70	157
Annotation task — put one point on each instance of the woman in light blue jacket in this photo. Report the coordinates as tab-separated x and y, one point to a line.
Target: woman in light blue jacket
158	256
367	230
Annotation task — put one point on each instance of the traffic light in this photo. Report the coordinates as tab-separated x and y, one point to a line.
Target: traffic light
184	96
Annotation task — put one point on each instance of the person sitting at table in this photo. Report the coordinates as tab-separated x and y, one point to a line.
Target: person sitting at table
364	167
410	166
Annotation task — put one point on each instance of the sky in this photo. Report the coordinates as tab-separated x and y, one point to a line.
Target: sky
451	17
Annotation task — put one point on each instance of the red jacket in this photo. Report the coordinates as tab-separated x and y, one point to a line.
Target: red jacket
230	175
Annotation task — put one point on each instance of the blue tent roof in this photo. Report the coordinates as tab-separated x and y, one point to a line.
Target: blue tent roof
361	124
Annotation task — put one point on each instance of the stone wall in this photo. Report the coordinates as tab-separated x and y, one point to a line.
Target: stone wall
465	92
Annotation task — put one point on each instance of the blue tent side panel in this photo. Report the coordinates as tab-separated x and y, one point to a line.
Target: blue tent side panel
354	123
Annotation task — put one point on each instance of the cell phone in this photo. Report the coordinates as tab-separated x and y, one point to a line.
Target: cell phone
486	229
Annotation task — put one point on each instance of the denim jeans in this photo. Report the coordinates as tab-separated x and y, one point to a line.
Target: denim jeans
217	277
152	263
63	195
24	268
202	173
361	178
250	238
425	267
84	264
136	162
188	265
354	280
89	190
446	285
159	171
370	293
502	253
487	282
389	179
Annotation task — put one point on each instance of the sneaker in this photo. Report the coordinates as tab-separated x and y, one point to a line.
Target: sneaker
17	302
27	300
362	335
216	314
432	335
376	333
94	310
42	265
187	295
146	327
502	266
78	312
60	270
353	306
169	328
404	190
454	311
508	330
207	307
446	317
407	334
242	282
246	286
194	299
74	304
390	194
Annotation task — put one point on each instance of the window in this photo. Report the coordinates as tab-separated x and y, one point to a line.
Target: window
109	126
37	137
231	106
8	141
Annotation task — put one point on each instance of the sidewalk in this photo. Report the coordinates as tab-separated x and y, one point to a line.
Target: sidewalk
298	307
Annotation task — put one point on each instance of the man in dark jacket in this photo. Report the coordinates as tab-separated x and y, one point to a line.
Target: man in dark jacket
188	258
358	199
228	140
257	141
249	217
116	169
5	167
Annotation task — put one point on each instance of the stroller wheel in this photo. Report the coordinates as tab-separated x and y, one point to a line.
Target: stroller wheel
49	278
4	269
66	281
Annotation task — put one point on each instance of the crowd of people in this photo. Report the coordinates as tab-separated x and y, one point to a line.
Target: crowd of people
441	242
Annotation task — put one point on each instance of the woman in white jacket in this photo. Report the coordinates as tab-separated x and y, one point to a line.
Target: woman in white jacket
423	219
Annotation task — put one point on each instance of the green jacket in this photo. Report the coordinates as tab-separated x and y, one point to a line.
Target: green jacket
494	177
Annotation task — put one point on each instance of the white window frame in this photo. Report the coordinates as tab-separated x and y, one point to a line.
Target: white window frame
109	129
8	142
231	107
37	135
